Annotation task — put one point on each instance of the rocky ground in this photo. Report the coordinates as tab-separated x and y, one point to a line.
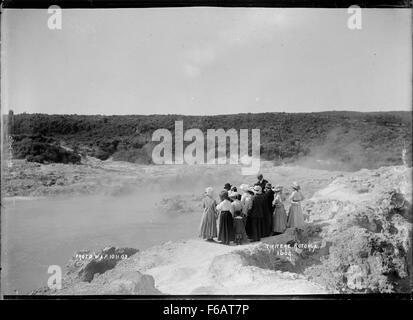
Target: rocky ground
31	179
357	240
92	176
365	219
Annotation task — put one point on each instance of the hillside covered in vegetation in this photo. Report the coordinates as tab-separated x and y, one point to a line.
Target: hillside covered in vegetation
343	140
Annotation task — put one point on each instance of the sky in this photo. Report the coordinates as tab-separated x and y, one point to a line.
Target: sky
203	61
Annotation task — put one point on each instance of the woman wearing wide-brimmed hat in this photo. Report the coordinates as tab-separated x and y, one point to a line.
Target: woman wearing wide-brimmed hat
208	227
226	222
295	214
279	221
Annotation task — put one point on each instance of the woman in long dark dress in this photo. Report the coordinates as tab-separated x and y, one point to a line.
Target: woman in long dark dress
268	212
255	215
226	222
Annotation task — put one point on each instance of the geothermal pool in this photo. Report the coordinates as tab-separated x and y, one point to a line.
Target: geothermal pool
47	231
43	232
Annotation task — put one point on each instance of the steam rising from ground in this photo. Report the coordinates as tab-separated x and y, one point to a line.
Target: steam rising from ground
343	150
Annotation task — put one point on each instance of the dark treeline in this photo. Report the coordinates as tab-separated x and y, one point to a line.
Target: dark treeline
354	139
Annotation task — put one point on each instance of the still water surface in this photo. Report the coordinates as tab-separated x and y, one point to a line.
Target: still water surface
43	232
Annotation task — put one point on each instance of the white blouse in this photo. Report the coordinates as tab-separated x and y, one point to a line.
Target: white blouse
225	206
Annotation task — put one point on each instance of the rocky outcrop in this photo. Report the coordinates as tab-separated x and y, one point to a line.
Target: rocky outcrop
91	273
368	233
114	283
131	282
85	264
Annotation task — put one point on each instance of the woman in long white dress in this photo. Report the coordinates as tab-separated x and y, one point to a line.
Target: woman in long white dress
208	227
295	214
279	221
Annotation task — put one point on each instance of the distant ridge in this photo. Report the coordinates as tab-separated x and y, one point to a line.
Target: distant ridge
347	139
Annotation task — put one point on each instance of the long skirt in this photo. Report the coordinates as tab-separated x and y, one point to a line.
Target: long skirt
218	222
208	227
239	228
254	228
295	217
279	219
267	224
226	227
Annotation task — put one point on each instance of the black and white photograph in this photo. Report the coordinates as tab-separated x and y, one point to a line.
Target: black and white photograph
206	151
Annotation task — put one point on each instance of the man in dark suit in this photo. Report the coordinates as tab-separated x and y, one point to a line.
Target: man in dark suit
255	215
261	182
269	209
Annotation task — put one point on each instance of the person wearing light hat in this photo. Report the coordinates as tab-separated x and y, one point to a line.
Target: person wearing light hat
278	188
208	227
255	215
257	189
295	186
231	192
295	213
280	216
234	195
244	187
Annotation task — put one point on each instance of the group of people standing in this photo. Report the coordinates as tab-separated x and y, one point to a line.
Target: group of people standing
252	213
